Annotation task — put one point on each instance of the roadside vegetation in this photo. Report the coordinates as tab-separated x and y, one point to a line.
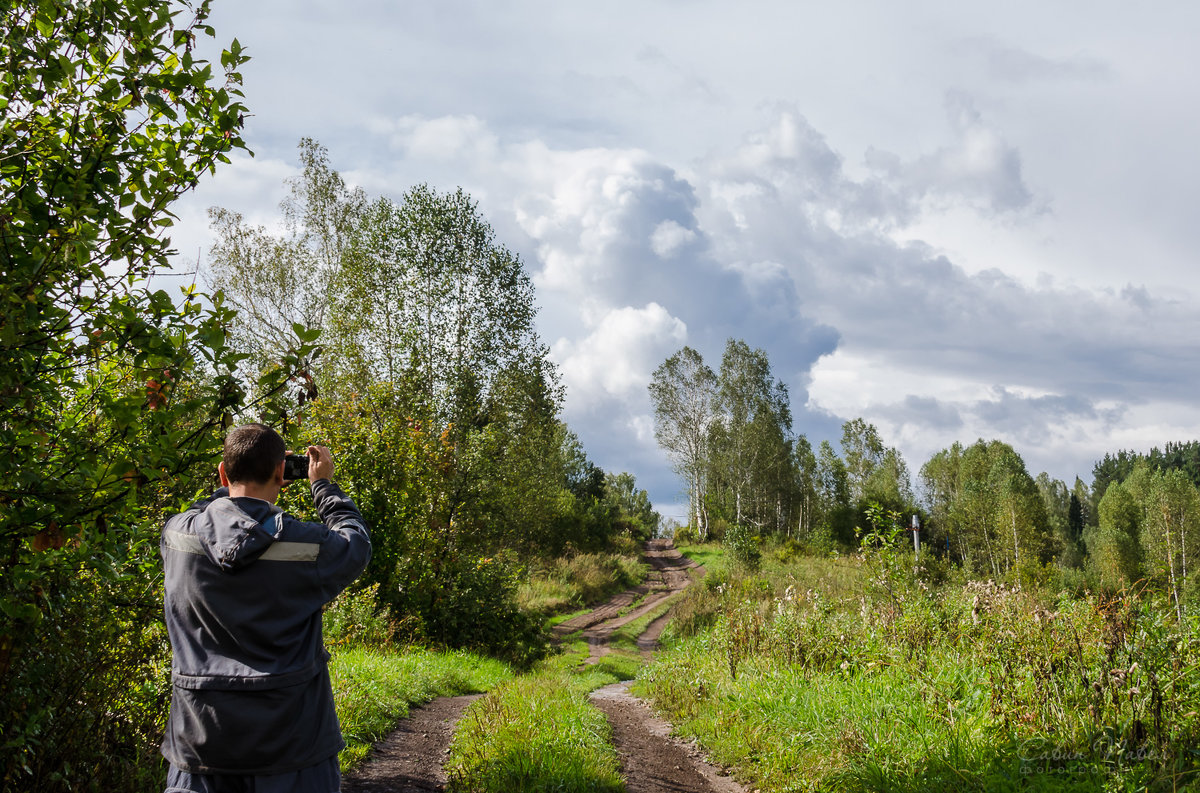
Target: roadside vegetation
1048	637
569	583
376	681
375	688
866	673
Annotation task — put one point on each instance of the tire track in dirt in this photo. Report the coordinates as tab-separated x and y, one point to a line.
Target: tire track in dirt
410	759
652	760
668	575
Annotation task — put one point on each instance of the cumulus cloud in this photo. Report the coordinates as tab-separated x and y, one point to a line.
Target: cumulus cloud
978	166
669	237
773	241
617	358
932	352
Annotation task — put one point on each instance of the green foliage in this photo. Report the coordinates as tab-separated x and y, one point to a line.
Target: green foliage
439	536
749	466
836	522
1149	526
744	545
1175	456
113	393
356	618
985	503
276	281
635	513
683	391
683	535
584	579
1114	556
881	551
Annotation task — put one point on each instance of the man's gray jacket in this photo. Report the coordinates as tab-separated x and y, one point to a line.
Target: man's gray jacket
245	585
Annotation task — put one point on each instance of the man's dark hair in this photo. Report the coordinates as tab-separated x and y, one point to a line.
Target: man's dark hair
252	453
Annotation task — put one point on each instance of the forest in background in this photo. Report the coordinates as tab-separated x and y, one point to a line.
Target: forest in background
400	332
750	477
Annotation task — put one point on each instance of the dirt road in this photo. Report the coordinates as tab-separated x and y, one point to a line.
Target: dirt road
652	761
668	575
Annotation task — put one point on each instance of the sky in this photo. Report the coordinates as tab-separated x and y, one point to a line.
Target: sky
955	220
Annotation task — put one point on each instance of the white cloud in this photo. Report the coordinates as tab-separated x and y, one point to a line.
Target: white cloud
617	358
444	138
978	167
669	238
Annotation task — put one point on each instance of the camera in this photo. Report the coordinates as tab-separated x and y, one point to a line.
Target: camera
295	466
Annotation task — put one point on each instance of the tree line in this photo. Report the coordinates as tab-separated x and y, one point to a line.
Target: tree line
729	436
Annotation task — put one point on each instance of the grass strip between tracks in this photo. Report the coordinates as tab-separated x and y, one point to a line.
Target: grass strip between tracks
539	732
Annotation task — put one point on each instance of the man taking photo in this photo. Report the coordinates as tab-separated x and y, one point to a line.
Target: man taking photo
251	703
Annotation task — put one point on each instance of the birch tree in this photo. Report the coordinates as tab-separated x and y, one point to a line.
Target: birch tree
276	279
1171	532
683	391
751	435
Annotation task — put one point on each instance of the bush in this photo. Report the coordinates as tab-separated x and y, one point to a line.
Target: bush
744	545
821	542
356	618
469	602
788	550
85	700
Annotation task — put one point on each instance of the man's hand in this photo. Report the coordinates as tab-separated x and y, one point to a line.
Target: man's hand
320	463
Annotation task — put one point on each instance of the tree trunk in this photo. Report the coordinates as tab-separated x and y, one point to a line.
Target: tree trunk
1016	542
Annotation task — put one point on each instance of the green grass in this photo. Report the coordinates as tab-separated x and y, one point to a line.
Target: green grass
709	554
373	689
559	618
539	732
625	637
585	579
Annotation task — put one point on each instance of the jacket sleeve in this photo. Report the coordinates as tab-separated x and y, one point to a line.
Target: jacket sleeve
346	549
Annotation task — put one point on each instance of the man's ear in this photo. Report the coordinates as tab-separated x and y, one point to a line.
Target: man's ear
221	473
279	480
